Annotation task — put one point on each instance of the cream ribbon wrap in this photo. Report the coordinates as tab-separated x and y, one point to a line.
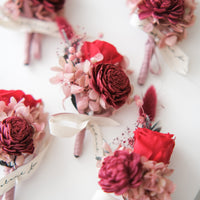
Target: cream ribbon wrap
28	25
25	171
69	124
173	56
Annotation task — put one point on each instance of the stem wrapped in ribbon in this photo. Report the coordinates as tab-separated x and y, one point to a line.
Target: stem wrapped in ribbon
70	124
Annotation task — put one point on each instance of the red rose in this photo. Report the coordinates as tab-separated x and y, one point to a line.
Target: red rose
50	5
16	136
168	10
153	145
111	83
109	52
120	172
5	96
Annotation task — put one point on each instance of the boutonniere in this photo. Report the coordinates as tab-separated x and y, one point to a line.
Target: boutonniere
166	23
37	18
139	168
23	139
95	76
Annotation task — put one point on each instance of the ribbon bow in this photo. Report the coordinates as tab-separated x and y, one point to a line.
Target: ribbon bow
70	124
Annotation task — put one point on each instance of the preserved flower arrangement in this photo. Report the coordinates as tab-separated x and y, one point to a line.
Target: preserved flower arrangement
22	133
139	170
41	11
95	75
166	22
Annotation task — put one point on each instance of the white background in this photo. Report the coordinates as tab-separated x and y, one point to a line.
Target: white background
63	177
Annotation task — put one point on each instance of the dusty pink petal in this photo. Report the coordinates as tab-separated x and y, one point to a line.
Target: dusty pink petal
68	67
125	62
57	79
148	28
62	61
78	73
93	95
3	115
102	103
94	106
57	69
2	105
66	90
76	89
171	41
86	66
39	127
68	77
81	81
22	110
87	80
82	104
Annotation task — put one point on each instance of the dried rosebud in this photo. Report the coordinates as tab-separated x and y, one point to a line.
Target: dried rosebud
120	172
111	83
168	10
16	136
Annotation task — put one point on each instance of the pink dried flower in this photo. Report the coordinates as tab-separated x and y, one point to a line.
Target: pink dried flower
120	172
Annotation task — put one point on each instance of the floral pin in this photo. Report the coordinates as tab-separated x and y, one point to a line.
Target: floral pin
36	17
166	23
140	170
95	76
22	134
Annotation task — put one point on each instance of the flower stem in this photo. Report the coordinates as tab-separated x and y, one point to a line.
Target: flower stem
149	51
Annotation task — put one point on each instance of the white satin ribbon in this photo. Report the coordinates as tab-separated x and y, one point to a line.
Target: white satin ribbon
100	195
173	56
28	25
24	172
69	124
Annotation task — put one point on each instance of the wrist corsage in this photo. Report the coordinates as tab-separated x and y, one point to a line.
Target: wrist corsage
95	76
166	22
23	140
36	17
138	168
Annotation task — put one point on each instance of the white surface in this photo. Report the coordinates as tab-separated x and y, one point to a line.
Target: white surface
61	176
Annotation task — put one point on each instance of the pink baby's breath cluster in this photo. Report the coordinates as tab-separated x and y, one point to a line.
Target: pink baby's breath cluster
33	116
167	20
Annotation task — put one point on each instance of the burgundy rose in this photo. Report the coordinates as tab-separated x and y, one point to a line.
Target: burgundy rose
16	136
153	145
111	83
120	172
5	96
51	5
109	52
168	10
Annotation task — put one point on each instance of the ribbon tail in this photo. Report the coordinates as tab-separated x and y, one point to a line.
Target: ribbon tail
98	140
149	51
78	145
175	58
